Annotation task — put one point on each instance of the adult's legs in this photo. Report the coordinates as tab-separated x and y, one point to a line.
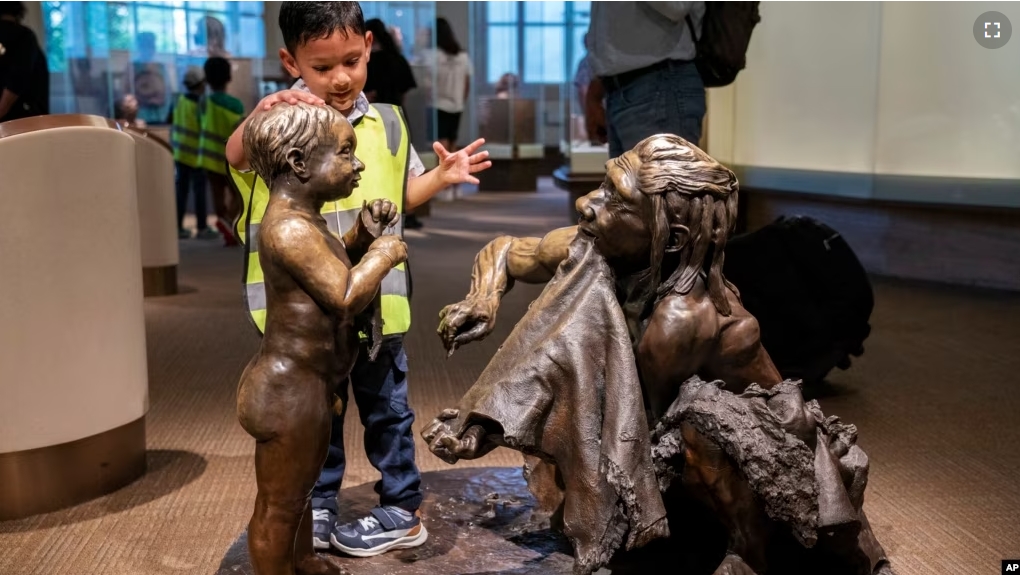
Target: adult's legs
668	100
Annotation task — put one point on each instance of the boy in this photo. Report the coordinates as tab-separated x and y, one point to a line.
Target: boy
327	48
186	126
220	114
316	300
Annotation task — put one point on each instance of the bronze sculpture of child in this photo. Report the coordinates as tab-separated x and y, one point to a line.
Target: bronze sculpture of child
318	287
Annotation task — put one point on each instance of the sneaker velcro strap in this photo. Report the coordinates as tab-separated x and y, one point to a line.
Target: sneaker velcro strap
384	518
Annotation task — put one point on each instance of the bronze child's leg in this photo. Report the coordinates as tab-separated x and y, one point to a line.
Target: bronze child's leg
286	466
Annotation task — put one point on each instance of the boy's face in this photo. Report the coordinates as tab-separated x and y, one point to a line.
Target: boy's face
334	67
333	170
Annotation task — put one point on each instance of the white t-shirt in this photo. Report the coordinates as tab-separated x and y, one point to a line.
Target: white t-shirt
450	74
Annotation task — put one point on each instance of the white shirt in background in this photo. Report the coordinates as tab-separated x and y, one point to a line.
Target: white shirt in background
449	75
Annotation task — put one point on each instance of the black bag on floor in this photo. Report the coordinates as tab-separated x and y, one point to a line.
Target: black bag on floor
809	292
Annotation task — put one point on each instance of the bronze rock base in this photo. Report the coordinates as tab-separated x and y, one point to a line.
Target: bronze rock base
479	521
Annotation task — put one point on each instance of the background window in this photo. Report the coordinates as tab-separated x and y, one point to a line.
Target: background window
99	51
540	42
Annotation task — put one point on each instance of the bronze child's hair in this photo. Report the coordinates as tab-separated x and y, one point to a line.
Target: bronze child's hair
269	136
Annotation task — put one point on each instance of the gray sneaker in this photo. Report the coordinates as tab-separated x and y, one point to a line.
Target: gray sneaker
385	529
323	522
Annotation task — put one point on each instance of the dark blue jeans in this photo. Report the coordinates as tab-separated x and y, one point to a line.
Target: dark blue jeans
380	390
191	180
669	100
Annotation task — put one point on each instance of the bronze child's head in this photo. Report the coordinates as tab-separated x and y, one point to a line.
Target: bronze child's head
306	149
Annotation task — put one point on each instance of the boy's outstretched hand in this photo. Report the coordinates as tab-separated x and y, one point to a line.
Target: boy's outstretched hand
457	167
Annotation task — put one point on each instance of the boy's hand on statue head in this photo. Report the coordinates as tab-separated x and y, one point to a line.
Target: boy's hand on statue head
392	247
379	215
457	167
291	97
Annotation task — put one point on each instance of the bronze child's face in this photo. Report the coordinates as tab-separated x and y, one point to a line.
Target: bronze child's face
334	170
618	214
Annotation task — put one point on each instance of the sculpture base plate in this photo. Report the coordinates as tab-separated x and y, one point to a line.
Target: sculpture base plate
479	521
482	521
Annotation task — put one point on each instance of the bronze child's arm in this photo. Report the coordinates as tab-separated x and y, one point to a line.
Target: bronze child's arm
345	291
497	266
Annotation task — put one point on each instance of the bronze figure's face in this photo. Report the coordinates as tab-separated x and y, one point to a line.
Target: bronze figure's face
332	169
618	214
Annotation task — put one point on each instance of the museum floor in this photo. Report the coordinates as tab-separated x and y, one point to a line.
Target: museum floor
936	398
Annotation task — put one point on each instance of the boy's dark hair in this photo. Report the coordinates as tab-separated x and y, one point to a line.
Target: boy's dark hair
16	9
304	21
217	72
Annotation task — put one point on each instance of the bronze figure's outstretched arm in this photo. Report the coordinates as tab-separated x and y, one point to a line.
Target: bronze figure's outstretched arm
498	265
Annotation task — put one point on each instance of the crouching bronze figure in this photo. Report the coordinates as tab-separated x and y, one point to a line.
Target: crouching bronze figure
638	374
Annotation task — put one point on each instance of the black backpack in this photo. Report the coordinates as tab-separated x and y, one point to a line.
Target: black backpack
812	298
725	33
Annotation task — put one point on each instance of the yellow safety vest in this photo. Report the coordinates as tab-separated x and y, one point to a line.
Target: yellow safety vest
217	124
384	147
185	131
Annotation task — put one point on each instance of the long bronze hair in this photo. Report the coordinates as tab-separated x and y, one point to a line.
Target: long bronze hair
687	188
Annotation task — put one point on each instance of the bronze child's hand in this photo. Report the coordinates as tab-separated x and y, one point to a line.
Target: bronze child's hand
379	215
392	247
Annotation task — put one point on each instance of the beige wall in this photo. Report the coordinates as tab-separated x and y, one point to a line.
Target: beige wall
891	88
947	106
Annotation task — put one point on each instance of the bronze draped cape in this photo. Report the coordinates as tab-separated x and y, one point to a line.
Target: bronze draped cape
565	386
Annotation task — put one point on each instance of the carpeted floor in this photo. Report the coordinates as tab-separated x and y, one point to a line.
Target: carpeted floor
936	398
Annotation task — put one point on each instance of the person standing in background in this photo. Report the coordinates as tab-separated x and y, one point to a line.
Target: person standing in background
389	75
220	113
24	76
186	128
398	37
649	80
389	79
453	71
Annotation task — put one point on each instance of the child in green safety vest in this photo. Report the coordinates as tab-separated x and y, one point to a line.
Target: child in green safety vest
220	114
327	51
186	126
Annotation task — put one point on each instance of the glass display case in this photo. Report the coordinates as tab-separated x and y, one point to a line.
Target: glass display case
583	162
514	108
100	53
581	155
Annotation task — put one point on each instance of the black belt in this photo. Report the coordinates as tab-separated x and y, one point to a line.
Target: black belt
619	81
